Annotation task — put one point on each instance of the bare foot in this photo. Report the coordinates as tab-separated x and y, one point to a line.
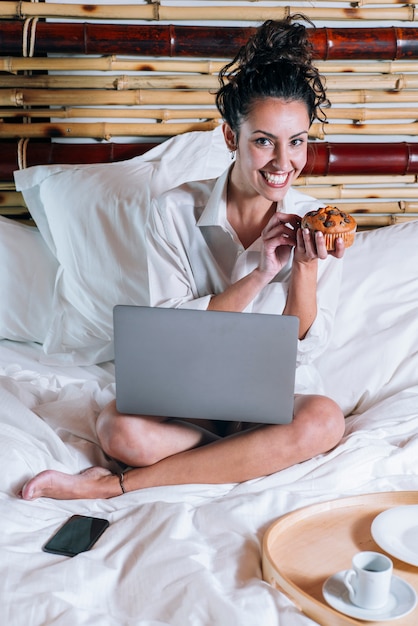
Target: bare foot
95	482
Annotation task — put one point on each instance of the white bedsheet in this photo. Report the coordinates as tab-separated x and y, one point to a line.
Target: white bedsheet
187	555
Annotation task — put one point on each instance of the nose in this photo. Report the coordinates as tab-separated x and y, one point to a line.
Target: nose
281	158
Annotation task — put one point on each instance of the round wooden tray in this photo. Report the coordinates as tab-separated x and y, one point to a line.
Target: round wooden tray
302	549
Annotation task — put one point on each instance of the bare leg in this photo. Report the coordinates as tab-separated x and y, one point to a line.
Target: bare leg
139	440
317	427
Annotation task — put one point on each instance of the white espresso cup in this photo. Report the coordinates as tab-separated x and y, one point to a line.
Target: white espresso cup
368	582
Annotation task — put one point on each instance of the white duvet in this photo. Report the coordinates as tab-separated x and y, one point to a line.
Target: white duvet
190	555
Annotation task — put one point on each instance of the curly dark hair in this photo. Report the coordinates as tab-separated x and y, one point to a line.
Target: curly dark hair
276	62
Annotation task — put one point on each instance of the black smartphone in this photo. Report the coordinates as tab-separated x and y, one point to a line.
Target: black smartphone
78	534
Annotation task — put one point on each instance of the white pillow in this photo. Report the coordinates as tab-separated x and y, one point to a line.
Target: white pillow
374	350
92	217
27	276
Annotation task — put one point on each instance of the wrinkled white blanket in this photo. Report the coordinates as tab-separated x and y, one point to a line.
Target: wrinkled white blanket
172	555
190	555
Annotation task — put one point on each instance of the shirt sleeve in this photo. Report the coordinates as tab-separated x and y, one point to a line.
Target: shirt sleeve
328	289
171	282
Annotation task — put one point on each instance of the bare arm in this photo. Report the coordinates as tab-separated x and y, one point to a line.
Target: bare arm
302	295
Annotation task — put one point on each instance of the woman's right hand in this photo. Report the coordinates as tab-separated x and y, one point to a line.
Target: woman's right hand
278	237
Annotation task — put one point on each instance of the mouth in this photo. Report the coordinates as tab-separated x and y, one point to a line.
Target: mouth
276	180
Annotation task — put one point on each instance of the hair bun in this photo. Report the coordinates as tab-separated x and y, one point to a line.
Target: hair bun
276	62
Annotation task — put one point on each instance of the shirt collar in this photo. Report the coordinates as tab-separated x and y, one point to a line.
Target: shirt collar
214	213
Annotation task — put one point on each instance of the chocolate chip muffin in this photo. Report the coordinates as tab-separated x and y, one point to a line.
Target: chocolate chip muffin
333	223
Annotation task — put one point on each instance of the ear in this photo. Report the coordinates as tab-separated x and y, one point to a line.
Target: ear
229	137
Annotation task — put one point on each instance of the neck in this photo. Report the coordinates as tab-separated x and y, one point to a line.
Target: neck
248	206
248	217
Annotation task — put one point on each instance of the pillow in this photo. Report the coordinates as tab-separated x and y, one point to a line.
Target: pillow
92	217
374	350
27	276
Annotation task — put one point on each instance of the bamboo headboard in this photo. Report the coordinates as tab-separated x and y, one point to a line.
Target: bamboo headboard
107	82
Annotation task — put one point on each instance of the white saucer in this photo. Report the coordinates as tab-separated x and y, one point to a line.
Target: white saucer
396	531
402	600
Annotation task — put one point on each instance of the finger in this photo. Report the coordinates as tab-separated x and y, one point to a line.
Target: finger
306	242
293	220
321	248
280	232
339	249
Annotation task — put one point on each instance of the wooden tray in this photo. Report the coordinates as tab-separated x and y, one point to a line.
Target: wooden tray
302	549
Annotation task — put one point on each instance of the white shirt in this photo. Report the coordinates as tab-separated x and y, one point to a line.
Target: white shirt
194	253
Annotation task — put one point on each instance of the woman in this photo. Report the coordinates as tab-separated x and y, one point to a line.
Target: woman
235	244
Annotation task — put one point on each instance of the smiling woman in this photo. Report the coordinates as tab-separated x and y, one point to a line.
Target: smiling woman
235	244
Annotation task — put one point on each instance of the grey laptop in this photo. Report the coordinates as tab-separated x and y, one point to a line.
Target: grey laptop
205	364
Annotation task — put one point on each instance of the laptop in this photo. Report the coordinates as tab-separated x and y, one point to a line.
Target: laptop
184	363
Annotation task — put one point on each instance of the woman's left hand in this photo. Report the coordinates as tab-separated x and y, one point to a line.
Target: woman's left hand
310	246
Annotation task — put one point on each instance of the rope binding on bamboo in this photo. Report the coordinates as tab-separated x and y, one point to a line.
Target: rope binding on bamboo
22	153
28	43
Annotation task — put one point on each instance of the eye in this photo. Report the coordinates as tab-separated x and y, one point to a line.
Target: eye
262	141
298	141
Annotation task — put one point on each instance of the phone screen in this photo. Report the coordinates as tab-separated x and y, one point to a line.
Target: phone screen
78	534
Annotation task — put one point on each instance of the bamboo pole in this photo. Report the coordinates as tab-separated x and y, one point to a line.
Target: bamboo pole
22	215
106	130
366	67
101	130
157	12
324	159
112	63
357	115
378	81
202	41
14	155
56	97
340	158
376	221
365	96
320	131
11	199
24	10
175	40
357	2
366	221
121	82
362	179
68	97
368	114
340	192
366	207
109	64
154	114
401	219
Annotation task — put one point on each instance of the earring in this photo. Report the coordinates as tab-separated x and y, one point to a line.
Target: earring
232	153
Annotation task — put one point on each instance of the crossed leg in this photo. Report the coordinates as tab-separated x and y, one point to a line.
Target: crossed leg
173	452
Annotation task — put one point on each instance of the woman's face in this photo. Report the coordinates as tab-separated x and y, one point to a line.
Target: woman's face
272	148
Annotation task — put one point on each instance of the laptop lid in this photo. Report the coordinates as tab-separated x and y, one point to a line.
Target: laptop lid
205	364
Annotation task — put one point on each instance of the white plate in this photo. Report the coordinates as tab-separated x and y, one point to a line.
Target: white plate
396	531
402	600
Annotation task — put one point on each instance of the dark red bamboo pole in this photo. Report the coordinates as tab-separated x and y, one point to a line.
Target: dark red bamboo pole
386	43
336	159
326	158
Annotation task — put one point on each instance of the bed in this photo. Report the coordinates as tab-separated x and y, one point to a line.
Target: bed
190	554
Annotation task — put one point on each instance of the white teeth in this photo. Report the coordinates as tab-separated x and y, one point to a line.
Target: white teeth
275	179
